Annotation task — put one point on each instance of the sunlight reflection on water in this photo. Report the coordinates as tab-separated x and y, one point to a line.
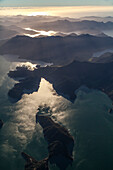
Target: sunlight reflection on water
23	123
39	32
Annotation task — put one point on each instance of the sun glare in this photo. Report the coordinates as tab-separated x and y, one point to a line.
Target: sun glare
71	11
39	32
38	13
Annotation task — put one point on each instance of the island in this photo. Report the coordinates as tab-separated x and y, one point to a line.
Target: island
60	143
1	123
33	164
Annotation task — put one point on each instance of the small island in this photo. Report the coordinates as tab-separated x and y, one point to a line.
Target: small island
1	123
60	143
33	164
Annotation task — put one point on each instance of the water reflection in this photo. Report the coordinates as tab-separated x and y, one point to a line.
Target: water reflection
29	65
108	32
99	53
39	33
15	60
20	131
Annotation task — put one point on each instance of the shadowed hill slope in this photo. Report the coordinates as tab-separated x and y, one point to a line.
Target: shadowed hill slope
58	50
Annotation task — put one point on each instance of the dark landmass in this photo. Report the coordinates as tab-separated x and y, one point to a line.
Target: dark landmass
102	35
1	123
105	58
98	19
66	79
110	111
69	26
60	142
28	81
57	49
33	164
28	85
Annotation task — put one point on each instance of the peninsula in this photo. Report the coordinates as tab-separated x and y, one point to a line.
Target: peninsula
65	79
60	143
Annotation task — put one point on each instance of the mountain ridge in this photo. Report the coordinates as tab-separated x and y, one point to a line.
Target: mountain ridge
56	49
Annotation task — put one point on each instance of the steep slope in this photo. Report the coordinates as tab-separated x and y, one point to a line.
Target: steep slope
58	50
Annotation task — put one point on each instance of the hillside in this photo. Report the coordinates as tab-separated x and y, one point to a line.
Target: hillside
57	50
65	79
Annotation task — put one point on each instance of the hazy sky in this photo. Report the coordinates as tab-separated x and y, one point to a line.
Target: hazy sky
20	3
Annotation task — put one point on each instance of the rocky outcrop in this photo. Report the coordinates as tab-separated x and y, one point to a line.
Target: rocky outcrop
59	155
110	111
33	164
1	123
60	142
28	83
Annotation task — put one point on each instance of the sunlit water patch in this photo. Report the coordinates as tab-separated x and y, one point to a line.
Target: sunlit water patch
32	63
39	33
99	53
108	32
20	131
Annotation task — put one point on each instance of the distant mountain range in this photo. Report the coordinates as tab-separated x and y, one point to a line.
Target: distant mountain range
57	50
69	26
97	18
92	24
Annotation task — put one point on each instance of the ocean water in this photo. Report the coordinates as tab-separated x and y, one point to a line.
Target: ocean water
98	54
87	119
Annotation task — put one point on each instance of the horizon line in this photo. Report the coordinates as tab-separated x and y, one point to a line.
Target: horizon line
57	6
70	11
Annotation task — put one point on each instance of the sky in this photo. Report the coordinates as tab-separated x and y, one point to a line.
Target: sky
27	3
69	11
